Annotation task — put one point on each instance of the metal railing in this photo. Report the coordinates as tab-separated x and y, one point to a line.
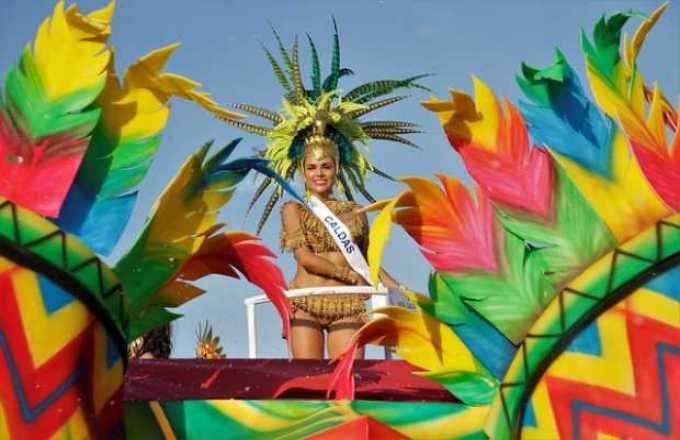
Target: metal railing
379	298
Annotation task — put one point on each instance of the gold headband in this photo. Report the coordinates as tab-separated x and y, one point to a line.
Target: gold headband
318	146
321	147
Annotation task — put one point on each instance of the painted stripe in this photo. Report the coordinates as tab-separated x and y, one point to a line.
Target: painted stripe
30	414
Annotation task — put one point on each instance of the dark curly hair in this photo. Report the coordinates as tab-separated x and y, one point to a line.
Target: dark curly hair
157	342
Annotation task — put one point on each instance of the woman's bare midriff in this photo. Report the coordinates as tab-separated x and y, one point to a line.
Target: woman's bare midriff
304	279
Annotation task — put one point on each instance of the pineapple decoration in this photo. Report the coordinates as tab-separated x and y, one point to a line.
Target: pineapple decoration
208	346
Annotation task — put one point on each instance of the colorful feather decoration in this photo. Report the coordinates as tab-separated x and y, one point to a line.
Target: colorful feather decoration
589	148
624	99
225	253
48	109
421	340
123	146
182	220
543	212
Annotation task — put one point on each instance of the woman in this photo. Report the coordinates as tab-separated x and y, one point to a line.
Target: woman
316	133
319	261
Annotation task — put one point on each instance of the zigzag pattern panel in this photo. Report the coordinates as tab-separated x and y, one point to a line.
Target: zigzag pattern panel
61	374
620	377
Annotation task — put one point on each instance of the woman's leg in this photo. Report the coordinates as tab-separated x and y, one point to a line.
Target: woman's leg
339	334
307	337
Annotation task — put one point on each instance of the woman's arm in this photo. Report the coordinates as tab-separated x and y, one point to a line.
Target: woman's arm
311	262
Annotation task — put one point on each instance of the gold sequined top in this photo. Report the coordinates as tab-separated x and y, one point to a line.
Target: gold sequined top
313	233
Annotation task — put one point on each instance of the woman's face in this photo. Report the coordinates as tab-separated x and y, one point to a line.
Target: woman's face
320	175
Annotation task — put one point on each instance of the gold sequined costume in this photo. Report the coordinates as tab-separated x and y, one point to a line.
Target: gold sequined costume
328	309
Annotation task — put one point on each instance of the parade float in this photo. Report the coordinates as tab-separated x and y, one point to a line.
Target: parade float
553	307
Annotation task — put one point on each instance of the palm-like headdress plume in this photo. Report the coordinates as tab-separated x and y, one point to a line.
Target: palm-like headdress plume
545	210
293	124
208	346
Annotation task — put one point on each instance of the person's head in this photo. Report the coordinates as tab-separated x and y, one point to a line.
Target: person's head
321	159
320	167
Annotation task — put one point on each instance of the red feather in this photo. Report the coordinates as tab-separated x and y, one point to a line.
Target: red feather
229	252
38	175
514	174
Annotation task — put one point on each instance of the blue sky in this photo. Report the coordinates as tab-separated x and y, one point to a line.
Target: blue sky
382	39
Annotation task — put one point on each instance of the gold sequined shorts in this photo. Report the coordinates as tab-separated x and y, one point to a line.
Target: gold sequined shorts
329	311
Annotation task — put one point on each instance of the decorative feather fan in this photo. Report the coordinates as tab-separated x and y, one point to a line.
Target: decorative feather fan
75	142
563	180
289	127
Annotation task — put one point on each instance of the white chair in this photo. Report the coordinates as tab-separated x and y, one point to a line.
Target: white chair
379	298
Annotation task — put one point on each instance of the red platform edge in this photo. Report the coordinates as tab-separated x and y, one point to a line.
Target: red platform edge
246	379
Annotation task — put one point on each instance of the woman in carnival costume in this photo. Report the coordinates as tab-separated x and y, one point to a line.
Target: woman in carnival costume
316	134
320	263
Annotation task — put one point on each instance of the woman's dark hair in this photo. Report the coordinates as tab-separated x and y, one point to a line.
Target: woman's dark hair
157	342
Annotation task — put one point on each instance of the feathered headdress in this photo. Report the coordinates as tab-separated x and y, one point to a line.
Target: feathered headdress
302	106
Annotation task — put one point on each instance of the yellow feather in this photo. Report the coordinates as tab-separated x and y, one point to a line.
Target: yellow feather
627	203
133	112
469	120
641	34
147	73
426	342
175	293
626	99
655	121
485	129
609	99
379	235
183	219
629	112
637	93
71	53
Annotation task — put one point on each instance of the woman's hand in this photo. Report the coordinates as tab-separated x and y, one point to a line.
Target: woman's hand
347	275
355	278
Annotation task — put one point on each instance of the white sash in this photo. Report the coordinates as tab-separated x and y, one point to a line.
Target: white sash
342	237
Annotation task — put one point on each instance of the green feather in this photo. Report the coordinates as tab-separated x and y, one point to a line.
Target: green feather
280	76
377	105
36	115
282	49
261	112
393	138
258	193
345	185
510	301
316	69
250	128
335	61
357	181
151	317
381	173
603	52
375	89
389	124
298	86
268	210
575	238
